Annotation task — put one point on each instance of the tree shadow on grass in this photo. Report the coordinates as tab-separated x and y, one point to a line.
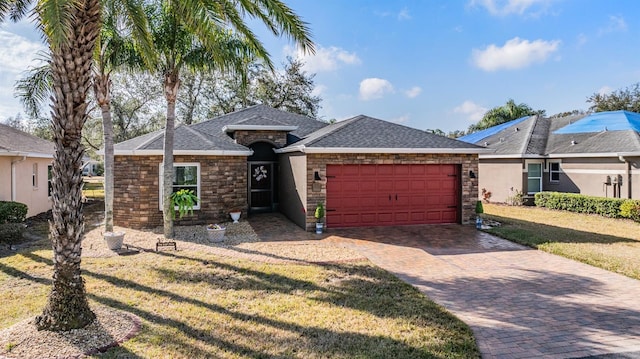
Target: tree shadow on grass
356	287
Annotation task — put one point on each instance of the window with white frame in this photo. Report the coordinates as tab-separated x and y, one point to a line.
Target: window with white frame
534	178
34	176
185	176
49	179
554	171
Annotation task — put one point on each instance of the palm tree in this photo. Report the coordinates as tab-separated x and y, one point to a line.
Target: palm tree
71	29
114	50
197	35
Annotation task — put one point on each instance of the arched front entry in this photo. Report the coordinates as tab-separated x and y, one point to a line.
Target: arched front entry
263	178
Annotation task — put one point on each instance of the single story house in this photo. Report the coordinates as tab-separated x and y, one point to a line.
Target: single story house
25	169
596	154
368	172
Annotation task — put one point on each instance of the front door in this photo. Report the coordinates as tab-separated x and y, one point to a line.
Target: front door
262	182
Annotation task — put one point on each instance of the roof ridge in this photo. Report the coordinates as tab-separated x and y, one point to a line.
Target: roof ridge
331	128
527	141
151	139
197	133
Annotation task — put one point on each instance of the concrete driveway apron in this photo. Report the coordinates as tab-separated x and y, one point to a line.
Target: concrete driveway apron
520	302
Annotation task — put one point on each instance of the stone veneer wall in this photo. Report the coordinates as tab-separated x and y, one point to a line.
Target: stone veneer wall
318	162
223	186
245	138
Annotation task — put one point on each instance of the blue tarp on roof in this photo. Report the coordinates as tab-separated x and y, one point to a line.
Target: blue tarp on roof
603	121
481	135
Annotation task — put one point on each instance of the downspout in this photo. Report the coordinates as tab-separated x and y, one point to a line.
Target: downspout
14	193
628	172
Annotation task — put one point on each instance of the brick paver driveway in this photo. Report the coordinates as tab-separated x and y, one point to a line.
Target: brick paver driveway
520	303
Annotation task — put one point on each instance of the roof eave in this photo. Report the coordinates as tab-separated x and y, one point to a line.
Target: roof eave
25	154
233	128
183	153
305	149
590	155
517	155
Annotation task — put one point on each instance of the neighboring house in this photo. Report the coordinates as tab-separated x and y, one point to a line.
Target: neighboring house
369	172
596	154
25	169
92	168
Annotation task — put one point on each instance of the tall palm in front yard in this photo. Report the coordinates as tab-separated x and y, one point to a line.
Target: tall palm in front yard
196	35
71	29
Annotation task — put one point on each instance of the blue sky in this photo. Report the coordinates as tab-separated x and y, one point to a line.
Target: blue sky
437	64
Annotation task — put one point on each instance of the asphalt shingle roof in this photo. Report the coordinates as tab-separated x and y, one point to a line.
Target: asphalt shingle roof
14	140
567	135
367	132
208	135
358	132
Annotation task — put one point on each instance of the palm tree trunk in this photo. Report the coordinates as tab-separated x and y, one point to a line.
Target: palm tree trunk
102	90
67	307
171	86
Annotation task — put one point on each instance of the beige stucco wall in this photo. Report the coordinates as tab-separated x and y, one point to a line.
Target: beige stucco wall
293	187
587	176
501	177
35	197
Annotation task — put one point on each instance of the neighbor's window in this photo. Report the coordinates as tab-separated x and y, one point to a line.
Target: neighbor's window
534	178
34	176
49	179
554	171
185	176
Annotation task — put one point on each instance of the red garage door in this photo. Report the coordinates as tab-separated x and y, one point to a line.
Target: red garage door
383	195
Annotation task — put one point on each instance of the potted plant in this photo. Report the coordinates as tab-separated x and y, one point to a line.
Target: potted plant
235	214
479	211
185	200
215	232
319	214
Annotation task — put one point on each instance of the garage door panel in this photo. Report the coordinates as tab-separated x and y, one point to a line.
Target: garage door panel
364	195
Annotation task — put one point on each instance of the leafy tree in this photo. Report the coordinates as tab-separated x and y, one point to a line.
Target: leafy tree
622	99
568	113
290	90
505	113
209	94
71	29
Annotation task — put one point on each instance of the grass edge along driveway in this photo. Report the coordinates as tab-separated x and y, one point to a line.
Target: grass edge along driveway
607	243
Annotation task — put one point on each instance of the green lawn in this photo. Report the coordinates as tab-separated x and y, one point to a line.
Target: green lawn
196	305
93	188
611	244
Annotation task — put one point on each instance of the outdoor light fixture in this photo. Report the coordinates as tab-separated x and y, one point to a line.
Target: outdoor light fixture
316	176
472	174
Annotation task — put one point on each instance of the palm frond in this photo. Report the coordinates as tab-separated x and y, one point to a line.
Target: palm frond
34	90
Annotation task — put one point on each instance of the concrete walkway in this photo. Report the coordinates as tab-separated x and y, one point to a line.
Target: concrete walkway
520	303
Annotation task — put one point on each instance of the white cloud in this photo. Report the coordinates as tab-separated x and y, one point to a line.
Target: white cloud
413	92
582	39
506	7
16	52
319	90
325	58
404	14
515	54
374	88
616	24
473	111
605	90
401	119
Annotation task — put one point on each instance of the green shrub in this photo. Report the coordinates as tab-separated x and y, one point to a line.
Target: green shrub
11	233
630	209
573	202
12	212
